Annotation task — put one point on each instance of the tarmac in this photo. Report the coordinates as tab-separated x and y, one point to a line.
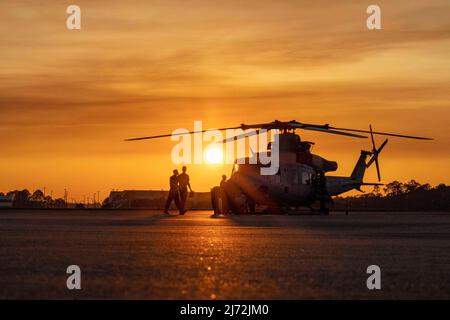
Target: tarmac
139	254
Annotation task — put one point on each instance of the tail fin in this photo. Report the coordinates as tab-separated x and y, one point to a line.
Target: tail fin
360	167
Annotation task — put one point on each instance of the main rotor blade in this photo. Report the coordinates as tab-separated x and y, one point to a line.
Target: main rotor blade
178	134
382	133
259	125
333	132
293	125
240	136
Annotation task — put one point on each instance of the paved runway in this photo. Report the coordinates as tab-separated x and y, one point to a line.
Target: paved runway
147	255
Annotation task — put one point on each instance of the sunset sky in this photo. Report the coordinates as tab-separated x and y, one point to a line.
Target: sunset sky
138	68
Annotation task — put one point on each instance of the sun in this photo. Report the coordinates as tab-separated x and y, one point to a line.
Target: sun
213	155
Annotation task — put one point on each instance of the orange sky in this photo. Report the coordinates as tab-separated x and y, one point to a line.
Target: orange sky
69	98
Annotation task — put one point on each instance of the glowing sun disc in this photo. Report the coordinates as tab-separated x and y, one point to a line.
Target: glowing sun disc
214	155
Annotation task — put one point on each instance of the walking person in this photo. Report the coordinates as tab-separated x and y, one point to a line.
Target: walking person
184	184
223	195
173	192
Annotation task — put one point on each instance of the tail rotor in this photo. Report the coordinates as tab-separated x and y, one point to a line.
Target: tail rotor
375	152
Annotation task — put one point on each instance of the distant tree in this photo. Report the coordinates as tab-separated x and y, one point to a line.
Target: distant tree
37	196
25	193
376	191
60	203
2	194
105	203
425	186
400	196
394	188
48	201
411	186
441	186
79	206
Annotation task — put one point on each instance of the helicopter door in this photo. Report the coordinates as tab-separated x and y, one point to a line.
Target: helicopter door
304	176
289	179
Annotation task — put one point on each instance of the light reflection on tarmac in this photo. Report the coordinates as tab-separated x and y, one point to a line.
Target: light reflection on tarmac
148	255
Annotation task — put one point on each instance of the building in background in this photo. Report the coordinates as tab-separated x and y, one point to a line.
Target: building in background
152	199
7	201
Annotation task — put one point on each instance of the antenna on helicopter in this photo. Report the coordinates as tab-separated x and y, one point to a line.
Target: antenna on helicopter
375	152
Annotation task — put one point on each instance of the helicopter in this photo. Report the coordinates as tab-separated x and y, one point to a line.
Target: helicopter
301	179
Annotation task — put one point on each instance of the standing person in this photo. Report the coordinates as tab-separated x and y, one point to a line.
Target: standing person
184	184
215	196
223	195
173	192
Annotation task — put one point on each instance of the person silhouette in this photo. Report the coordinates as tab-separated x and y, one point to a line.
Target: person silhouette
184	184
173	192
219	197
223	195
215	196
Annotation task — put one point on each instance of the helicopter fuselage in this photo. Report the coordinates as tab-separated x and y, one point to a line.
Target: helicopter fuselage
301	179
293	184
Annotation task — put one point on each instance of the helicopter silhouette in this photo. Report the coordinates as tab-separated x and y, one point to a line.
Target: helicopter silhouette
301	179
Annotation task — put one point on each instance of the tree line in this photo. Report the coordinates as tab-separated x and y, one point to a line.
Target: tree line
408	196
25	199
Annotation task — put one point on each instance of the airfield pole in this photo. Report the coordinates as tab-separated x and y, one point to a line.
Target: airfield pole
66	193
